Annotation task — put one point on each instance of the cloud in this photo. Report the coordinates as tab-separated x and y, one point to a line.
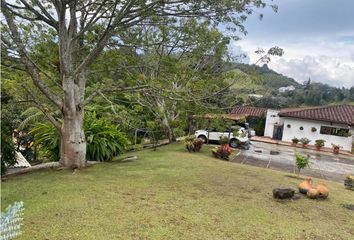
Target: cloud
324	69
238	54
317	37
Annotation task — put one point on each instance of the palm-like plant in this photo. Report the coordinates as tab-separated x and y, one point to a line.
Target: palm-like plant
104	140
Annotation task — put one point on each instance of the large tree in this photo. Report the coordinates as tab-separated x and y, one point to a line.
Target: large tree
82	29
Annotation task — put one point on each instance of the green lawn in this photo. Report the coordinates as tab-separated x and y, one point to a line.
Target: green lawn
172	194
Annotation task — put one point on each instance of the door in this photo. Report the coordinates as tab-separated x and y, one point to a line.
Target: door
278	132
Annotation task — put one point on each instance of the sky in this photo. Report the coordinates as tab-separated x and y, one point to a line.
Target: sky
317	37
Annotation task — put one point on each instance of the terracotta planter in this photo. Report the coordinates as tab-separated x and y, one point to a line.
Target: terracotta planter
335	150
322	190
305	186
318	148
313	193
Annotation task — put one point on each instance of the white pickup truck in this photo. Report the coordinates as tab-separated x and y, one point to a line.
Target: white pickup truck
235	141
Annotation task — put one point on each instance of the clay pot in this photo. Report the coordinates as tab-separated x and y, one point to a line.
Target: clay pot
336	150
313	193
318	148
305	185
322	190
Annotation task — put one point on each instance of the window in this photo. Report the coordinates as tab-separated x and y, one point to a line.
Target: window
342	132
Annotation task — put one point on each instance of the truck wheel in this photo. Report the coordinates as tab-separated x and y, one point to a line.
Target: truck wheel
203	138
234	143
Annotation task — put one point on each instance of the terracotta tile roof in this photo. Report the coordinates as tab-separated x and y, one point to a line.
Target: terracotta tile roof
248	111
337	113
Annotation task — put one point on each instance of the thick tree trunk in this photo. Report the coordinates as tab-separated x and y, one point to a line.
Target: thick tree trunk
73	144
169	131
171	135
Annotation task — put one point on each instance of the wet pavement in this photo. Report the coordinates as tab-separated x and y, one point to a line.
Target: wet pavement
278	157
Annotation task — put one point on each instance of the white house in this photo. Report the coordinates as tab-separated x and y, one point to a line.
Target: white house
334	124
286	89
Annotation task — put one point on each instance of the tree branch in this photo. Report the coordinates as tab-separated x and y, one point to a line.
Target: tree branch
32	68
55	122
122	89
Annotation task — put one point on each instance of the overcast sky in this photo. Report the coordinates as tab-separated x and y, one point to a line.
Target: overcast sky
316	35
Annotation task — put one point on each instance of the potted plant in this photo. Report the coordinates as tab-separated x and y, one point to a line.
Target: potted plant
193	144
197	144
319	143
223	151
304	142
349	182
336	148
188	141
295	141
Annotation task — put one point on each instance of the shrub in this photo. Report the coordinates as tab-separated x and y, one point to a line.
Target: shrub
188	141
197	143
319	143
304	141
295	140
104	140
260	126
193	144
313	129
336	148
48	138
223	152
302	161
8	153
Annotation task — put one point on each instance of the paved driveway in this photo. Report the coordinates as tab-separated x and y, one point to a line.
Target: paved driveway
322	164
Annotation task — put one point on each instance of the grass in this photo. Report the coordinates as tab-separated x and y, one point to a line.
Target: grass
173	194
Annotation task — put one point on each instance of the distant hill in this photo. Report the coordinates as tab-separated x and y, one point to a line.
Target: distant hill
260	87
269	78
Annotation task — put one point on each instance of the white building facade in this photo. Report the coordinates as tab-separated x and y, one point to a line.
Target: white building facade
334	124
330	132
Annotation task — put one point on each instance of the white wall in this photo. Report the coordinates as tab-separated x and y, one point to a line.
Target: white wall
271	119
294	131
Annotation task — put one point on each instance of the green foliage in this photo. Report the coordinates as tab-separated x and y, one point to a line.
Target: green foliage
260	126
179	132
104	140
8	153
48	138
236	131
224	140
320	142
193	144
223	151
295	140
242	120
155	131
305	141
302	161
